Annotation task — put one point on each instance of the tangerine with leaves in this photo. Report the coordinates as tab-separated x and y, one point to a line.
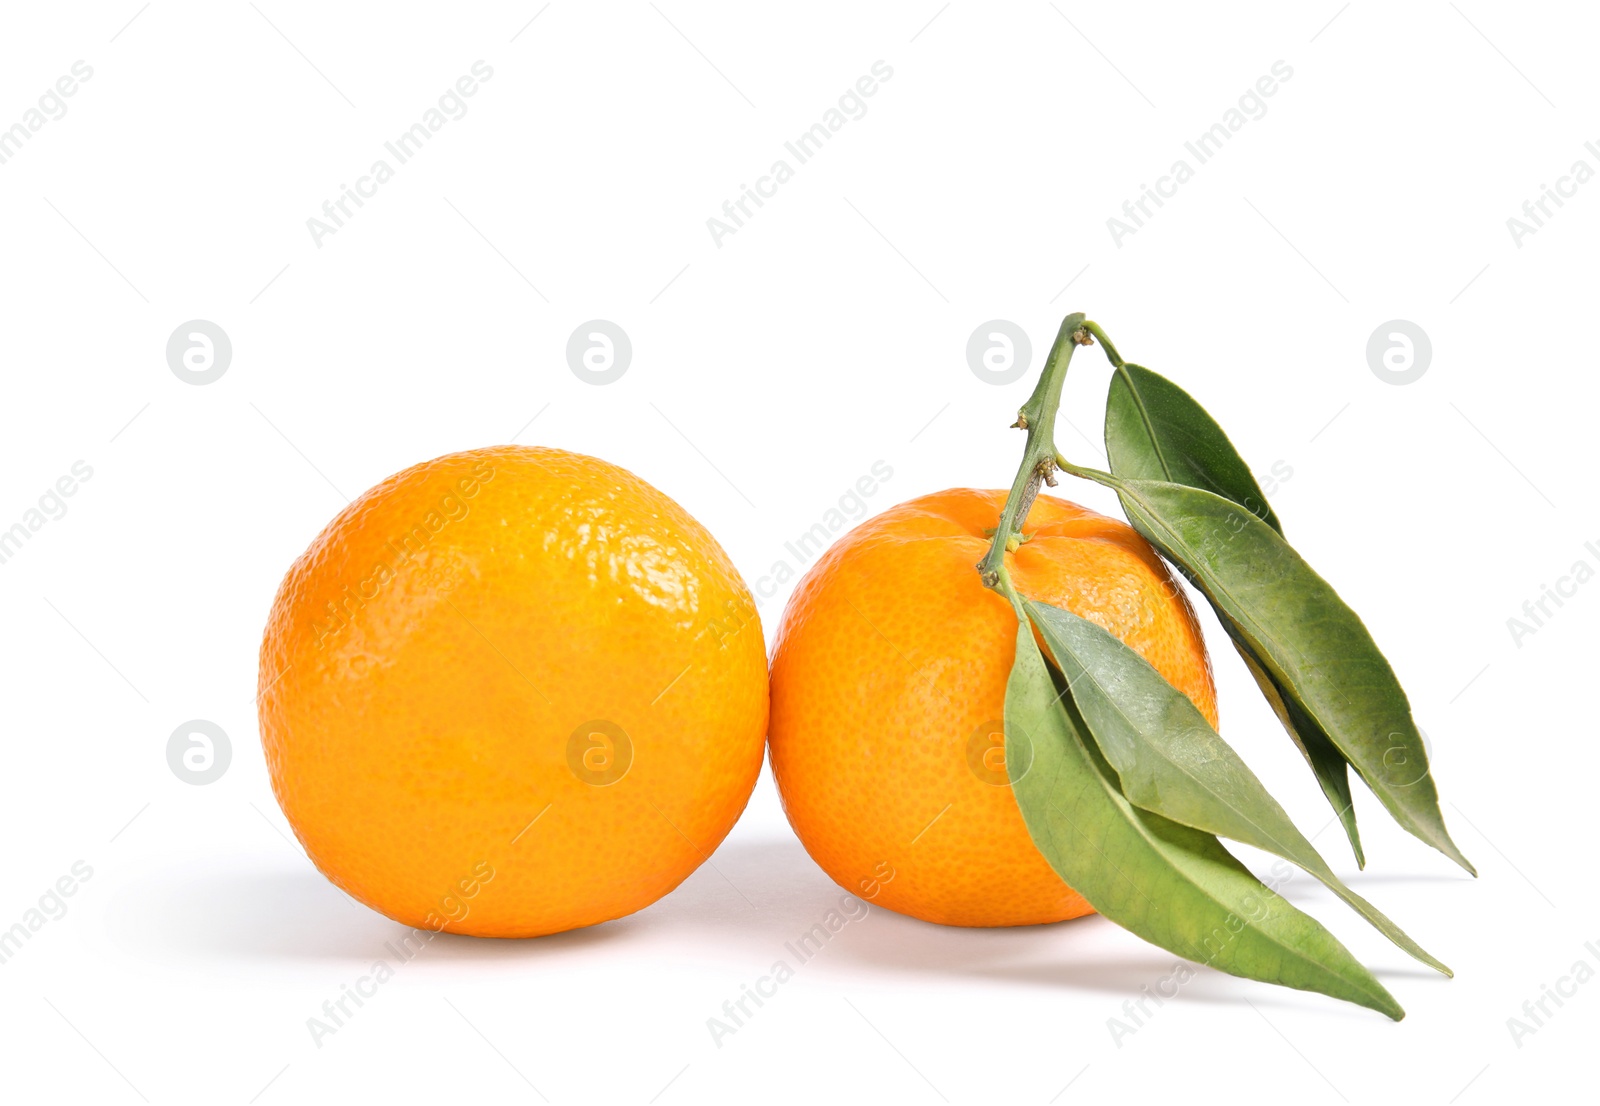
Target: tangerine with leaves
890	673
1068	628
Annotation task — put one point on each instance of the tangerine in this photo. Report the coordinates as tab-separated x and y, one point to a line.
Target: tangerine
512	691
888	694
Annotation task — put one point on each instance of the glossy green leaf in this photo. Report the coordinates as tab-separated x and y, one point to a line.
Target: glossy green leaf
1157	431
1327	763
1171	885
1171	762
1312	644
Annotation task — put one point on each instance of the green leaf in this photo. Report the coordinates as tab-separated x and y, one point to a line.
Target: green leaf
1327	762
1315	647
1171	762
1174	886
1157	431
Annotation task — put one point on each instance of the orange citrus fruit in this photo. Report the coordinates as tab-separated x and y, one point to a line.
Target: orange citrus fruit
888	696
510	692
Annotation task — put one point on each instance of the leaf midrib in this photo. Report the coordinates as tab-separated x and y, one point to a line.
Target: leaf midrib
1107	697
1391	802
1166	851
1144	418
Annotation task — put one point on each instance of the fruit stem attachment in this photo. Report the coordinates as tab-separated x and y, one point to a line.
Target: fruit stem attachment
1039	458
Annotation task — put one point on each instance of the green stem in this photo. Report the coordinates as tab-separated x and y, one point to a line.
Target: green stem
1111	351
1083	472
1039	459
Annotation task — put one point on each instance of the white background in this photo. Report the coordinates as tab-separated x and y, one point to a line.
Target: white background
768	375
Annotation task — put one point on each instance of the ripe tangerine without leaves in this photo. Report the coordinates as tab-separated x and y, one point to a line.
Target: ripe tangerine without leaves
510	692
888	691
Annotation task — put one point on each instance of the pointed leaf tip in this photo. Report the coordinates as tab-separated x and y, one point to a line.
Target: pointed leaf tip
1174	886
